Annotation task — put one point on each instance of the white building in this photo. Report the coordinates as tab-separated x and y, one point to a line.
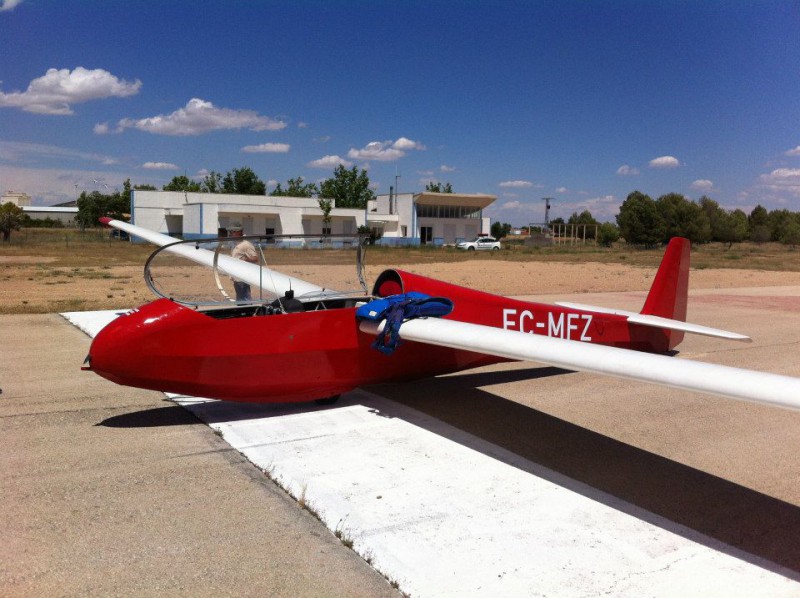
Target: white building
18	199
405	219
64	215
429	218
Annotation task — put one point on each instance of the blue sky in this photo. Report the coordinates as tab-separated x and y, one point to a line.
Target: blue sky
580	101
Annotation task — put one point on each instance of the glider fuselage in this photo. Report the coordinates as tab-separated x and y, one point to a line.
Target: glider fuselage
241	355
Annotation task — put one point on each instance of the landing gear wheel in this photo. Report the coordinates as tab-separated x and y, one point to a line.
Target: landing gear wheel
328	401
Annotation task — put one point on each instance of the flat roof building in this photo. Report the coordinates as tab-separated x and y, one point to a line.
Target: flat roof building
397	219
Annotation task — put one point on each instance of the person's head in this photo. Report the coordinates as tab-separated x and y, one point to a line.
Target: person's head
235	230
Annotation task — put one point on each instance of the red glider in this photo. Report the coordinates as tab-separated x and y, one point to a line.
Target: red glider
303	342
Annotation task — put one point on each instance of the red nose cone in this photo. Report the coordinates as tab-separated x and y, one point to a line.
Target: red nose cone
127	350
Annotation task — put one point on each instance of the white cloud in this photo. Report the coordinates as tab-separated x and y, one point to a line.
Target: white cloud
330	162
783	180
9	4
446	168
405	144
794	152
702	185
34	153
626	170
385	151
302	125
160	166
664	162
516	184
323	139
511	205
561	190
426	173
382	151
200	116
268	148
57	90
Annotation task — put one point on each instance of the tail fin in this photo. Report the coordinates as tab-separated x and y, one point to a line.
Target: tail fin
670	289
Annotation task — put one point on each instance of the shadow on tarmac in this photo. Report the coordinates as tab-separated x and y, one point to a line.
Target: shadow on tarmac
762	526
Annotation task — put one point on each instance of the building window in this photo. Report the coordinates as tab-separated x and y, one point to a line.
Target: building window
457	212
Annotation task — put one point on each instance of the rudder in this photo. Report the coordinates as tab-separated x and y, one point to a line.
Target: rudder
669	292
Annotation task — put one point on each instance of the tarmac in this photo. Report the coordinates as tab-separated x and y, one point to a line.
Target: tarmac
112	491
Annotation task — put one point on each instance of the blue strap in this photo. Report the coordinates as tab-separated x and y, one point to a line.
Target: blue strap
398	308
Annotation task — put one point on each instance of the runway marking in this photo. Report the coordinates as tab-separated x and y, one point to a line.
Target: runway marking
444	513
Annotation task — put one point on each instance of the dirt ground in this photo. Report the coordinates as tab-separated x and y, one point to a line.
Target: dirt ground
30	285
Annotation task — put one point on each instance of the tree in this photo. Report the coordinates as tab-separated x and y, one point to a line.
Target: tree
639	220
326	205
684	218
584	220
731	227
11	216
758	224
93	206
439	188
182	183
500	230
243	181
607	234
296	188
348	188
212	183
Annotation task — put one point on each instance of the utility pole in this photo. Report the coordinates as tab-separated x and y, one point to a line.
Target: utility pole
547	201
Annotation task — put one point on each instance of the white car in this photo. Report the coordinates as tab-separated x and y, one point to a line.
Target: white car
480	243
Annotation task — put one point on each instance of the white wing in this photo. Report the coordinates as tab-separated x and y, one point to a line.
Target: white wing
735	383
259	276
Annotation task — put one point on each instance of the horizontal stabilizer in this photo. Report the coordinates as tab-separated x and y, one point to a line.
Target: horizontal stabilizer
659	322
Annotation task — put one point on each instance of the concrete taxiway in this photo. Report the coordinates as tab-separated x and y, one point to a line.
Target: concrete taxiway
97	508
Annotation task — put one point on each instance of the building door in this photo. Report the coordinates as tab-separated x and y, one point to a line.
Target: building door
426	235
449	233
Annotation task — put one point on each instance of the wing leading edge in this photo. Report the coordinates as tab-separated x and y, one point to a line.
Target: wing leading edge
725	381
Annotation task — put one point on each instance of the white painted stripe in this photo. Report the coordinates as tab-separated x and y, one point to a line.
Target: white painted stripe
444	513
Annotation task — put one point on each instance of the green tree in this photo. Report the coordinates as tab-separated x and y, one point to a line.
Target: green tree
11	217
348	188
607	234
731	227
326	205
94	205
584	220
296	188
639	220
212	183
439	188
758	224
779	221
243	181
683	218
499	231
182	183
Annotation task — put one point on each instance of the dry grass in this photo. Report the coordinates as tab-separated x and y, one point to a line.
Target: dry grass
43	271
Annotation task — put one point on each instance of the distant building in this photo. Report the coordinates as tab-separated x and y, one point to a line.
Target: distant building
18	199
405	219
66	216
429	218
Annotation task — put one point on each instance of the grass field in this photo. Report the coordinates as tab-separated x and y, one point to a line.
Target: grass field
50	270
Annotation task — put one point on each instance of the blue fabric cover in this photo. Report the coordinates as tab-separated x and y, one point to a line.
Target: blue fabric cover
395	309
